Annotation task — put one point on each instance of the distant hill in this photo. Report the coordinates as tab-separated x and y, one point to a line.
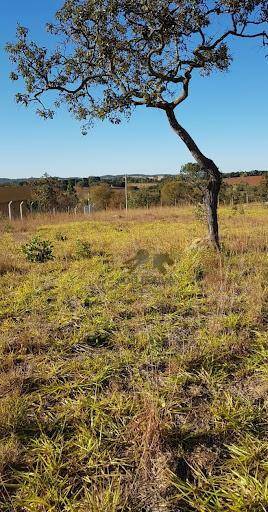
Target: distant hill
15	181
254	177
7	181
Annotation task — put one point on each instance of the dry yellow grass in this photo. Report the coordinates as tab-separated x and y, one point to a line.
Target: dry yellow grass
134	364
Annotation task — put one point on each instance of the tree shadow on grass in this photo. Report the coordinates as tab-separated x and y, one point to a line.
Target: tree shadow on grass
159	261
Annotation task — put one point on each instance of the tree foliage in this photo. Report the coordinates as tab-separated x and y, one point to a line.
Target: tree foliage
100	195
117	199
174	192
144	197
50	193
113	55
196	177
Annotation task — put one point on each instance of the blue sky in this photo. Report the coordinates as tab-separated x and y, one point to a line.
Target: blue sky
226	114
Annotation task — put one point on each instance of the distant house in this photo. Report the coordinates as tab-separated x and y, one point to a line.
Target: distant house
16	194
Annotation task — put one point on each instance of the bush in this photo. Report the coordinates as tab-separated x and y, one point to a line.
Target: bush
38	250
83	249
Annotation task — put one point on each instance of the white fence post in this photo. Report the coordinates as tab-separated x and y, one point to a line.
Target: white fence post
126	193
21	210
10	210
88	208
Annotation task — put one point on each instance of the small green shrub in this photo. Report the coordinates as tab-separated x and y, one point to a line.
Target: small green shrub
199	273
60	237
83	249
38	250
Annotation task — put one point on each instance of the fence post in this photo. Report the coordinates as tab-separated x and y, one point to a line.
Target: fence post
10	210
126	193
21	211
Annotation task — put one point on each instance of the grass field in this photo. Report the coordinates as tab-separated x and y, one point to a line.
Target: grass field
134	366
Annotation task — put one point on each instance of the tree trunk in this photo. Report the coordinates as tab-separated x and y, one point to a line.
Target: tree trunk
211	203
214	177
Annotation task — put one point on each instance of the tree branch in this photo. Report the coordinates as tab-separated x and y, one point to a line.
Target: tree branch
204	162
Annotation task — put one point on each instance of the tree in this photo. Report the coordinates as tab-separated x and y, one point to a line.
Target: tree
115	55
69	184
117	199
174	191
49	193
100	195
194	173
92	180
143	197
263	188
196	177
70	194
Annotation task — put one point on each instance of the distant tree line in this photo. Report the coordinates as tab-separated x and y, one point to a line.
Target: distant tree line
118	181
188	187
237	174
